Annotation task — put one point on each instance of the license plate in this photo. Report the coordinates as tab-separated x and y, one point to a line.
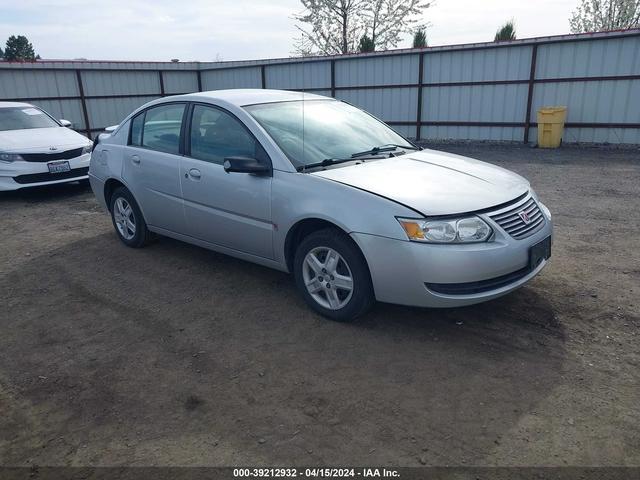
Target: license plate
59	167
540	251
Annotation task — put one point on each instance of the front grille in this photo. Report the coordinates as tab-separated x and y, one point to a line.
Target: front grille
470	288
514	225
51	177
49	157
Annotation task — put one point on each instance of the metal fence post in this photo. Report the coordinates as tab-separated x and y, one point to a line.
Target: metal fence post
199	76
419	107
263	78
532	77
333	78
161	77
83	101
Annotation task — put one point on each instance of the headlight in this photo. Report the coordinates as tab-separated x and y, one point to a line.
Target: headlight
87	149
10	157
457	230
545	210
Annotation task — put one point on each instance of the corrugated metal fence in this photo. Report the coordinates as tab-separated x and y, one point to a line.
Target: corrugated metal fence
488	91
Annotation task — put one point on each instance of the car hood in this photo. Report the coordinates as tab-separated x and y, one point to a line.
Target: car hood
34	140
433	182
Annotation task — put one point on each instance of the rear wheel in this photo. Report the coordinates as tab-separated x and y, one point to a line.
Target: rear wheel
128	220
332	275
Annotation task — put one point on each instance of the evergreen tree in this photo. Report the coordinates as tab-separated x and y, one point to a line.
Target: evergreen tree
19	49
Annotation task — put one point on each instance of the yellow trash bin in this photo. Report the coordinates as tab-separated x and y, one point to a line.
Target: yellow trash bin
550	126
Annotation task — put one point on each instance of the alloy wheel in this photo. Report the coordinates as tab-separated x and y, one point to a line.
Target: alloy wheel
124	218
327	277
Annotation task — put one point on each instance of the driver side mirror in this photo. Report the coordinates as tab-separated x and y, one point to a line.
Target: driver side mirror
245	165
65	123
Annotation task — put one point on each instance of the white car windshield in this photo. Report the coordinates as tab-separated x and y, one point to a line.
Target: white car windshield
19	118
310	132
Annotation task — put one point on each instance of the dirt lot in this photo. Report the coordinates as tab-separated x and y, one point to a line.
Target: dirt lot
174	355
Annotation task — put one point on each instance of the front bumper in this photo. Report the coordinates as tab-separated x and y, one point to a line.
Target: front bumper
16	175
402	270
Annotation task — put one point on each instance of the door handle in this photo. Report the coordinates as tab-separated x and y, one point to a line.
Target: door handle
195	173
135	159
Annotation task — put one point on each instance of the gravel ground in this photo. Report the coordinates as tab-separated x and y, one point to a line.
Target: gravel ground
174	355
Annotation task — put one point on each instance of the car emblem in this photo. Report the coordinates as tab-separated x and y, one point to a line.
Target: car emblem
53	149
525	217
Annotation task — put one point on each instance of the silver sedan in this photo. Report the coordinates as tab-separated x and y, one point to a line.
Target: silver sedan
314	186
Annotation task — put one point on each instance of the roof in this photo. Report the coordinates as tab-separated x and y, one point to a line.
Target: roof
250	96
240	97
14	104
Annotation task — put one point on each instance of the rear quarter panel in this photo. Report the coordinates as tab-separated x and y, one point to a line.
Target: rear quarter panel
106	160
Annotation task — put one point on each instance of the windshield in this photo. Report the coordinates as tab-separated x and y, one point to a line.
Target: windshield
18	118
329	129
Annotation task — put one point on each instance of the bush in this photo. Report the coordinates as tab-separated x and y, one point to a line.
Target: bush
420	38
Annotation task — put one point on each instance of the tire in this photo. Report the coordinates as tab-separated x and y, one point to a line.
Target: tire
134	232
327	275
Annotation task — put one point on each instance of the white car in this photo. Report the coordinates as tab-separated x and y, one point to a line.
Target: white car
36	149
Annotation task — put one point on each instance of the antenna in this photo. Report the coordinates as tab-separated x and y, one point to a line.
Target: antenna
304	84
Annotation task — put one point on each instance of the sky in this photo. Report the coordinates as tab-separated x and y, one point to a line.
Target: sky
206	30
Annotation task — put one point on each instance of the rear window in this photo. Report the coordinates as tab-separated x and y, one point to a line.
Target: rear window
21	118
136	130
158	128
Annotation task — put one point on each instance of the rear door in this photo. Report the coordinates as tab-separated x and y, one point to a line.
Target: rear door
229	209
152	165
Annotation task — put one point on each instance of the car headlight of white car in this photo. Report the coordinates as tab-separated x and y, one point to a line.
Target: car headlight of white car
10	157
470	229
87	149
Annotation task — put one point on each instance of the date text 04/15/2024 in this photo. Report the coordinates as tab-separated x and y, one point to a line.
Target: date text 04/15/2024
315	473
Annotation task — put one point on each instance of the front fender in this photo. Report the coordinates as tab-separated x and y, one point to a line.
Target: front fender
300	196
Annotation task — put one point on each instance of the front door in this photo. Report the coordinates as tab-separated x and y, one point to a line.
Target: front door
228	209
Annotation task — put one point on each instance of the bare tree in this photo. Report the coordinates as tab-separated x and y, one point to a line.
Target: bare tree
389	19
601	15
336	26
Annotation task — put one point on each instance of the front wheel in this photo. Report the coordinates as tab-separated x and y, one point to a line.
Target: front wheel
332	275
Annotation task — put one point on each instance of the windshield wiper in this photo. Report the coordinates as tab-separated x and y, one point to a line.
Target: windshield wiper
374	151
324	163
384	148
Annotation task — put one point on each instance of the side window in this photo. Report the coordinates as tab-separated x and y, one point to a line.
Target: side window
216	135
161	130
136	130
